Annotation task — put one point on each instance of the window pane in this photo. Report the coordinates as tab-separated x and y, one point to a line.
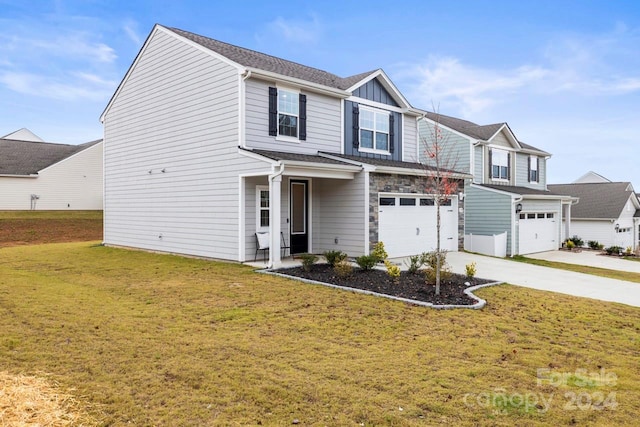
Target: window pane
287	102
264	217
427	202
495	171
366	138
549	215
382	141
382	122
522	216
298	208
531	216
503	172
288	125
407	202
446	202
366	119
264	199
387	201
540	216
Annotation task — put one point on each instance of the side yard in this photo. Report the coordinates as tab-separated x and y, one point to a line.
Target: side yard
34	227
155	339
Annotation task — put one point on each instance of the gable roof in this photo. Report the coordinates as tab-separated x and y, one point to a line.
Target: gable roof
23	134
602	200
525	191
476	131
28	158
591	177
262	61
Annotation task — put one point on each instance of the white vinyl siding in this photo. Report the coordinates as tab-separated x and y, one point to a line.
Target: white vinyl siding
323	122
74	183
171	160
338	213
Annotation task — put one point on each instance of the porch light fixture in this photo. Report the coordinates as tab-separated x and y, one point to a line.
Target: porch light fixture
617	226
519	208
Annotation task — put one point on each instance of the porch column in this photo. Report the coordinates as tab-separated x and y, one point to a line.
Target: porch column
567	223
275	185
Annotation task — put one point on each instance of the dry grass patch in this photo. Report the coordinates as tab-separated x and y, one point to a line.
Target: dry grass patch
35	227
30	400
163	340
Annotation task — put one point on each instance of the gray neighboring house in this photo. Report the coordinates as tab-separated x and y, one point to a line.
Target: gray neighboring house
508	192
207	144
608	212
45	176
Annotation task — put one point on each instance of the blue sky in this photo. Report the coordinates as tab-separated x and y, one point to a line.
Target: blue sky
565	75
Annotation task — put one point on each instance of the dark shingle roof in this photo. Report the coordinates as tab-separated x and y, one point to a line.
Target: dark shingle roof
481	132
262	61
602	200
28	158
388	163
311	158
525	191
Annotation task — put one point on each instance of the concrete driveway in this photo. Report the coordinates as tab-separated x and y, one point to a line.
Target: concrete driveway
551	279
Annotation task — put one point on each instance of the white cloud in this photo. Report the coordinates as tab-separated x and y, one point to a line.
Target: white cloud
86	86
130	28
297	31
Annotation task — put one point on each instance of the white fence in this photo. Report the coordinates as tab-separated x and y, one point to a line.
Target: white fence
495	245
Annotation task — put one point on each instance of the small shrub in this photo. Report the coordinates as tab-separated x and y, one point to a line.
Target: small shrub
392	270
343	268
577	241
379	252
628	251
593	244
470	270
415	263
307	261
334	257
431	261
570	244
366	262
613	250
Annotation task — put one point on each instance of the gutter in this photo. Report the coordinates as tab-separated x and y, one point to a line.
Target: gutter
326	90
9	175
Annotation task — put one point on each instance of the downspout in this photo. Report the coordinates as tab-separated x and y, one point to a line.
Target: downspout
242	109
514	201
274	217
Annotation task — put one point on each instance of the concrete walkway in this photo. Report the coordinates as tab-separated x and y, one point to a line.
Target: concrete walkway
549	279
590	258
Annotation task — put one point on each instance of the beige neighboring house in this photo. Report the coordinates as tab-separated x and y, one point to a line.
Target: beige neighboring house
38	175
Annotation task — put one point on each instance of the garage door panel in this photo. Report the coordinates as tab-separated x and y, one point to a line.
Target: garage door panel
537	232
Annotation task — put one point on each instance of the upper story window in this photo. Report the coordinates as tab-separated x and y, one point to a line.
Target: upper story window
287	114
374	130
499	164
534	175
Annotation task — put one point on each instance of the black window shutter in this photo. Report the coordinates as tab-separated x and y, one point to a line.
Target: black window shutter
537	169
303	116
529	168
356	126
508	165
273	111
391	133
490	164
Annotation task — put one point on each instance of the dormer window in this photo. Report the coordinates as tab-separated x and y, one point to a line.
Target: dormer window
374	130
287	114
534	176
499	164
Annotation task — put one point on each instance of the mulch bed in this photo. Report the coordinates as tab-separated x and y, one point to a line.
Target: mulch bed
411	286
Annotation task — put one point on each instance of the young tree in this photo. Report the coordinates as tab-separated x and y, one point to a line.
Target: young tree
440	159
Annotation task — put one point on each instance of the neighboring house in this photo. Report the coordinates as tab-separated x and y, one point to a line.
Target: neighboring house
608	212
591	178
46	176
508	192
207	144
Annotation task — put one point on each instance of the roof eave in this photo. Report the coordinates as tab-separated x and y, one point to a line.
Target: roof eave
315	87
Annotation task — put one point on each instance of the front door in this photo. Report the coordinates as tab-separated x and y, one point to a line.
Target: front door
298	202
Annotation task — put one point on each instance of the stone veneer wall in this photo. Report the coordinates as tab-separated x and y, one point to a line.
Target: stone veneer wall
394	183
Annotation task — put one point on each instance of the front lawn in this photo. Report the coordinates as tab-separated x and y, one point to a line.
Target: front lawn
34	227
148	339
596	271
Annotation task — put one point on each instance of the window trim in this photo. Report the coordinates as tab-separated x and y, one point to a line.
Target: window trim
375	112
259	208
296	94
534	166
493	177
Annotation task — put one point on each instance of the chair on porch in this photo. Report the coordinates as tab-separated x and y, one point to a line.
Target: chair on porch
262	244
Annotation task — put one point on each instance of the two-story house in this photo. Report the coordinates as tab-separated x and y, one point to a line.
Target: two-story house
208	144
508	192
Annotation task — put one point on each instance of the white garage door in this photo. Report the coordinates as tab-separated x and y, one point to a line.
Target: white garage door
538	232
407	224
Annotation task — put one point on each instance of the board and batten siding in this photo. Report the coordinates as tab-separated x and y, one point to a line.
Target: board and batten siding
350	150
374	91
171	157
487	213
456	148
74	183
338	212
323	122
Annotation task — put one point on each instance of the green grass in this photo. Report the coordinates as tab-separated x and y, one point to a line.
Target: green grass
43	215
151	339
596	271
